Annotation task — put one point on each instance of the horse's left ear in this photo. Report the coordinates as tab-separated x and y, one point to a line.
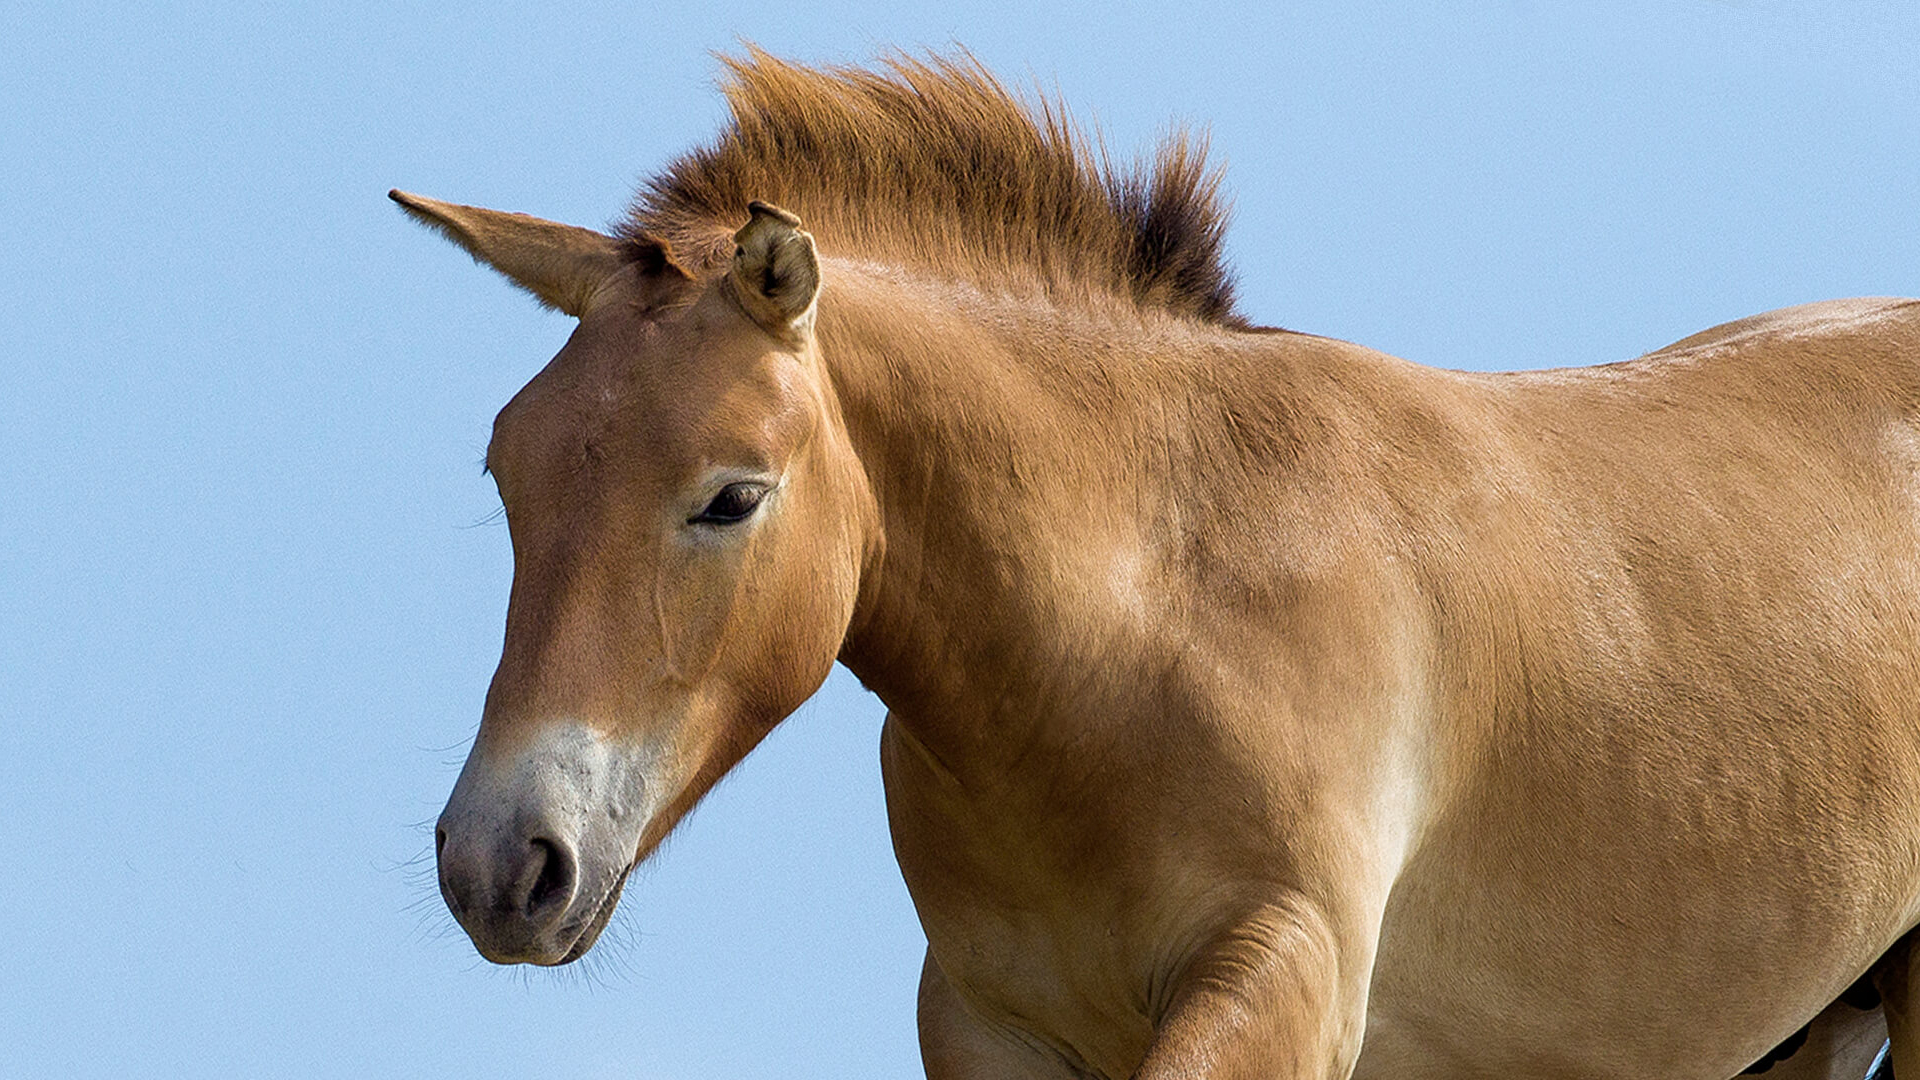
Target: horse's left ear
563	265
776	272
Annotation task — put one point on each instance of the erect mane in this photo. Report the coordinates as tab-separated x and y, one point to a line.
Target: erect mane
935	164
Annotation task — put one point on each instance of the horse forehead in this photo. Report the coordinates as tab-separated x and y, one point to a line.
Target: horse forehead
610	364
683	389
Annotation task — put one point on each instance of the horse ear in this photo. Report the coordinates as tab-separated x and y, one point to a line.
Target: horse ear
776	272
562	265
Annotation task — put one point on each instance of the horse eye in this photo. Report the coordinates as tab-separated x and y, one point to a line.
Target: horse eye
734	504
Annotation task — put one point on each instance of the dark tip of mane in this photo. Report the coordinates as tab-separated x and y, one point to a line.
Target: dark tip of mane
1179	227
932	162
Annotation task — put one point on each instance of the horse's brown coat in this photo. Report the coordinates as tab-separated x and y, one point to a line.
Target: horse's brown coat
1252	694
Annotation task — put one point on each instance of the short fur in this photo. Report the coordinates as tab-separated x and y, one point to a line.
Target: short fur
935	164
1260	706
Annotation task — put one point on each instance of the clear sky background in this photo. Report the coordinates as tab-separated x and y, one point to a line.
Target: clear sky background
249	602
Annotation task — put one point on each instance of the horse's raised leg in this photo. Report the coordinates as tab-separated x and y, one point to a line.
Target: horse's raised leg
1841	1045
1898	983
1266	1002
954	1045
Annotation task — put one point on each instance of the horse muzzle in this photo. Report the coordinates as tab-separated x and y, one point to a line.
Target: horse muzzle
533	848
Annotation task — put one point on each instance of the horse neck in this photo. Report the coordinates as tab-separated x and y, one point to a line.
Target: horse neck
1025	461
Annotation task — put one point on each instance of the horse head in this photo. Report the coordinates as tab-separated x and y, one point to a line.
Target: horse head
689	525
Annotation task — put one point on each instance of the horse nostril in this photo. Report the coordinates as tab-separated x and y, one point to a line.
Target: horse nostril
553	885
439	842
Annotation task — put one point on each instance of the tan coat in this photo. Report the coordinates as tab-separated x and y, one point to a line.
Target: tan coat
1260	705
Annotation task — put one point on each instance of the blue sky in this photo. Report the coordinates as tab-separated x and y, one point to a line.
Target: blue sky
247	615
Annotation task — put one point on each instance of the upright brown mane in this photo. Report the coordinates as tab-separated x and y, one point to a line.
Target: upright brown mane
935	164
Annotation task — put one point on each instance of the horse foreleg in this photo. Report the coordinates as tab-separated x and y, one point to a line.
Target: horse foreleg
1267	1001
956	1045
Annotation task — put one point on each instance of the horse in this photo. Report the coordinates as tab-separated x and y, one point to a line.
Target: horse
1259	704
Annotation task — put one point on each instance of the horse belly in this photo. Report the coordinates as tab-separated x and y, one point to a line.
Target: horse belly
1842	1043
1546	953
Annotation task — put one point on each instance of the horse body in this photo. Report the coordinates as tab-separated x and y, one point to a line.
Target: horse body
1259	705
1706	756
1449	627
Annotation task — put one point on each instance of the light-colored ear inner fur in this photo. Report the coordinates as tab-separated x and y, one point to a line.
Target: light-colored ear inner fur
776	271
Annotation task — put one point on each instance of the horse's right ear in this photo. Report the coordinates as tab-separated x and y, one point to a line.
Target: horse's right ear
562	265
776	272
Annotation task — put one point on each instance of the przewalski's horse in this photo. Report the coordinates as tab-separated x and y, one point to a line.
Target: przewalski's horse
1261	705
